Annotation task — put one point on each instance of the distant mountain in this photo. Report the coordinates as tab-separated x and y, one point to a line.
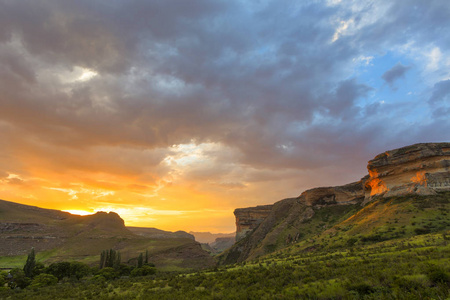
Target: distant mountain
160	234
221	244
58	235
208	237
407	192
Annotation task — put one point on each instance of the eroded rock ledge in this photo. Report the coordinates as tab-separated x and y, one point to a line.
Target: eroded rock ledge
421	169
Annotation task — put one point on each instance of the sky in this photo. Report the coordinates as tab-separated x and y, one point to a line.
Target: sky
173	113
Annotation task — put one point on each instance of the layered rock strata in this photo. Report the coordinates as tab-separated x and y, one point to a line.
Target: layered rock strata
421	169
249	218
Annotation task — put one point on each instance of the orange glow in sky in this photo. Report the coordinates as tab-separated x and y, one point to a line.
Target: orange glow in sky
173	116
182	190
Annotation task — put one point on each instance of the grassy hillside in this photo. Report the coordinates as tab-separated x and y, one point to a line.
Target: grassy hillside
386	219
338	226
60	236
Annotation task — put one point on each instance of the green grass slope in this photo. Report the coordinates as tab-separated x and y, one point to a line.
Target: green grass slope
386	219
416	267
337	226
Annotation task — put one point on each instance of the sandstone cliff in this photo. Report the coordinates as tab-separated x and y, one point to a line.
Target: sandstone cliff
421	169
249	218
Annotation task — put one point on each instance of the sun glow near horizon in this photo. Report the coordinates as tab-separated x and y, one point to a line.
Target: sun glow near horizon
78	212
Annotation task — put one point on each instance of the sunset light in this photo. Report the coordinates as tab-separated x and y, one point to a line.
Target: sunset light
174	115
78	212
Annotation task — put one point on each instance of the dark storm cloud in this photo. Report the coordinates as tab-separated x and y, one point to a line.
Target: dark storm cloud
265	79
396	72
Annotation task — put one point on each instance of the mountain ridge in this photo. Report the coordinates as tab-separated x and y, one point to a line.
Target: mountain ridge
58	235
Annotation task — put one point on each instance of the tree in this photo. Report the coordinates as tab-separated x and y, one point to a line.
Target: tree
146	256
79	270
110	259
60	269
102	259
140	260
28	268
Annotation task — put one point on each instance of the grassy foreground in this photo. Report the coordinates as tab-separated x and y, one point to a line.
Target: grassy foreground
412	268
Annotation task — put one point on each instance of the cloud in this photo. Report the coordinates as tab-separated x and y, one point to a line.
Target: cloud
216	98
440	99
441	91
396	72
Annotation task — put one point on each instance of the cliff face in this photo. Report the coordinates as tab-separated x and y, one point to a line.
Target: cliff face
249	218
421	169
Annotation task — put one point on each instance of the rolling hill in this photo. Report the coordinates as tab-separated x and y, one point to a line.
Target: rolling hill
58	236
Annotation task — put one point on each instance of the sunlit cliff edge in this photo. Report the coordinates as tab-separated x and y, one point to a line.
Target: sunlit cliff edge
420	169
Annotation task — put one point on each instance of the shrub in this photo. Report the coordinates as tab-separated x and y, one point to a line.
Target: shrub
438	275
43	280
18	279
144	271
362	288
108	273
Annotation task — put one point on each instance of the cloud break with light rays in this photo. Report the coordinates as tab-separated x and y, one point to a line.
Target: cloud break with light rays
174	113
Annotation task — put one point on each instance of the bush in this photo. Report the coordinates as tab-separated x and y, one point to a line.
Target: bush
422	230
18	279
144	271
438	275
362	288
43	280
108	273
351	241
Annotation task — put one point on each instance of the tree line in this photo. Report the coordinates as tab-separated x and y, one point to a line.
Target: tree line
35	274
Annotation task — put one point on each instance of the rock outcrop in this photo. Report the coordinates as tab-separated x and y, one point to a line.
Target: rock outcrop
421	169
249	218
337	195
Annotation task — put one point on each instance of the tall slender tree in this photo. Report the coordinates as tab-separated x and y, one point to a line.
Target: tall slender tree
28	268
102	259
140	260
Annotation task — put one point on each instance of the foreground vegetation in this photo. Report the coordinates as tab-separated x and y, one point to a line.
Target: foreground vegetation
412	268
